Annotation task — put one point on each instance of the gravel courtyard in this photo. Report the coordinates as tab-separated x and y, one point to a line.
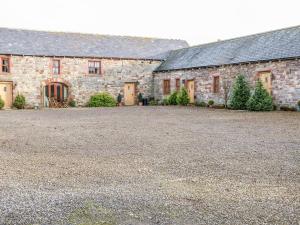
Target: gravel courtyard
149	165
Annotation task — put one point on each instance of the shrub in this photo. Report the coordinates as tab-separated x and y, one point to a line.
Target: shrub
153	102
240	94
219	106
173	98
72	103
211	102
287	108
102	100
183	97
1	103
19	102
140	97
201	104
119	98
298	103
260	100
165	101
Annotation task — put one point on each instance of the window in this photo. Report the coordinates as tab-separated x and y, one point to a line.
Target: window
216	84
94	67
177	84
166	87
56	67
5	65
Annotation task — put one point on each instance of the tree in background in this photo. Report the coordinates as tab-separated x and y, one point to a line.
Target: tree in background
261	100
183	97
240	94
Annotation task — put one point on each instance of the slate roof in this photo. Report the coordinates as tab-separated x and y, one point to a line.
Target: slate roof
44	43
278	44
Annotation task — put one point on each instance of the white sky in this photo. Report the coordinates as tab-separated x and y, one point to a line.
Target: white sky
197	21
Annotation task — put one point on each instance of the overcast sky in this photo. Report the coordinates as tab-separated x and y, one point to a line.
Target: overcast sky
197	21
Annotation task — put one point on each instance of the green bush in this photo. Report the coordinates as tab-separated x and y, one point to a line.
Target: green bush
165	101
201	104
140	97
1	103
72	103
219	106
102	100
183	97
211	102
173	98
260	100
153	102
119	98
19	102
240	94
287	108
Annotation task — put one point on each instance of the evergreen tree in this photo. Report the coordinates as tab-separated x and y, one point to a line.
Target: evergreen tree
240	94
260	100
183	97
173	98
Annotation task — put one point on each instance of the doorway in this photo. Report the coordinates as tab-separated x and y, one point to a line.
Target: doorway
266	79
129	93
191	90
55	93
6	94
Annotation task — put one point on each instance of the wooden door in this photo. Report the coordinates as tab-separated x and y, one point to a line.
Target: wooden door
191	90
266	79
6	93
129	93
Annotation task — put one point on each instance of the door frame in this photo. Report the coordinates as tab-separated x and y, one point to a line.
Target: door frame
12	90
135	91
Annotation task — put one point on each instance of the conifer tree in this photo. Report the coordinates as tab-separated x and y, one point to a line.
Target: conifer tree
240	94
260	100
183	97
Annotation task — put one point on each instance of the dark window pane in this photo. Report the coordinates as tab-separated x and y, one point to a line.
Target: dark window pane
56	67
58	92
47	91
94	67
52	90
5	65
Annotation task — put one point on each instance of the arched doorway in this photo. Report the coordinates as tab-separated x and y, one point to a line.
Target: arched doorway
55	94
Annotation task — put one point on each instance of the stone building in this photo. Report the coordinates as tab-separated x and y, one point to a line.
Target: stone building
54	65
208	70
43	65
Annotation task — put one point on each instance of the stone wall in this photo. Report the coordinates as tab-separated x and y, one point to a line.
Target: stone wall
285	80
30	74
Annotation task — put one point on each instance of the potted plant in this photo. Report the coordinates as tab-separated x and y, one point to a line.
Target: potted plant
140	99
119	99
210	103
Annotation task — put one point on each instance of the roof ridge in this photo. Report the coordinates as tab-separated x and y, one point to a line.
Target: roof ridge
240	37
94	34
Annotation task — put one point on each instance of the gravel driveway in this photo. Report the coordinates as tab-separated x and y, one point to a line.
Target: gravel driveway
149	165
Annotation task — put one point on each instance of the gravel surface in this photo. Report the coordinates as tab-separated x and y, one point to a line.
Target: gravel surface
149	165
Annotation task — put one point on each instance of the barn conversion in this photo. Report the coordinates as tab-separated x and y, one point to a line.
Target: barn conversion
53	65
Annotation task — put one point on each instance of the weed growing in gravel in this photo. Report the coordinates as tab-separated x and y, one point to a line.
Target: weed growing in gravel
92	214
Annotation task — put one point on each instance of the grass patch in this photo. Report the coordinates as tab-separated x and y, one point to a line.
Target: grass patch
92	214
